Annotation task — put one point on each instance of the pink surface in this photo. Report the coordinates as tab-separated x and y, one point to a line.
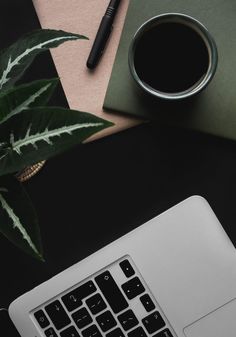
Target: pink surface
85	90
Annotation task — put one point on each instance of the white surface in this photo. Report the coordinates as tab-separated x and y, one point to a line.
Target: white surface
184	255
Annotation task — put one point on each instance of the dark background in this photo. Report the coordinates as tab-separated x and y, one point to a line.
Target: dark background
97	192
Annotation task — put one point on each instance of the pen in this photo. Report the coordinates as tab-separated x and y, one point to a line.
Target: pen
103	34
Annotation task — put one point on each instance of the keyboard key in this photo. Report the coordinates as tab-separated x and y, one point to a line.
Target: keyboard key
71	302
58	315
138	332
115	333
73	299
133	288
111	292
164	333
128	320
41	319
127	268
147	302
69	332
153	322
82	318
96	304
50	333
106	321
91	331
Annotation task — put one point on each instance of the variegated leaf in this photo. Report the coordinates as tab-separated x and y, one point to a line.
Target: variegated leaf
40	133
18	221
16	59
23	97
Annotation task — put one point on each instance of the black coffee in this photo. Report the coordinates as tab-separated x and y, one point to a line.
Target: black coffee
171	57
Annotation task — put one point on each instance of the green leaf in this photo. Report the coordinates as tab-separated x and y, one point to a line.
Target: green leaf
18	221
17	58
23	97
41	133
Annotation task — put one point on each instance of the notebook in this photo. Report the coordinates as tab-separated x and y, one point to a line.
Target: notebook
214	110
85	90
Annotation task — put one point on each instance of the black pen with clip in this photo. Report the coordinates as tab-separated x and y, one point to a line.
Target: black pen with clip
103	33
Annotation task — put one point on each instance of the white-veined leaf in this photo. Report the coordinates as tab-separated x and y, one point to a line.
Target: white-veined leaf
47	135
40	133
23	97
16	59
18	221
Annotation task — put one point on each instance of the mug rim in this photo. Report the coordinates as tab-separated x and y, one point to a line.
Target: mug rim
205	35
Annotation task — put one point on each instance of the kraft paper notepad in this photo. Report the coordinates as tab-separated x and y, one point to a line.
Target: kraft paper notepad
212	111
85	90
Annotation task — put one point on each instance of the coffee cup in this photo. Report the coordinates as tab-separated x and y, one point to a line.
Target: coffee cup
172	56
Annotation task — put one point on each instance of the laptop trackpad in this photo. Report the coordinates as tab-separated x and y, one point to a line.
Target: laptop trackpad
219	323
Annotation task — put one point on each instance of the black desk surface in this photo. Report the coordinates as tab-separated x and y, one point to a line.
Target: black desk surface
95	193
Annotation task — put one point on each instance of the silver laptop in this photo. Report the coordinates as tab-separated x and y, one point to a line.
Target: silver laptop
175	276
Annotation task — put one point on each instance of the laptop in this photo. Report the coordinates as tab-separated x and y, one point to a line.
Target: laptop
174	276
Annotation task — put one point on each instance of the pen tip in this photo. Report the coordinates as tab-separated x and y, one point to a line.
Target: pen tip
90	65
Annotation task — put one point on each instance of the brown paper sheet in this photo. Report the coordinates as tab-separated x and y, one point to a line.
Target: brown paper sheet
85	90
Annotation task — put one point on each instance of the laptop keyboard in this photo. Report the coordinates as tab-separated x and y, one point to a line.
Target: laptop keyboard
114	302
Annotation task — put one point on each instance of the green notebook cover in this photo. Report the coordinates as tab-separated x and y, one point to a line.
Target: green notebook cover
212	111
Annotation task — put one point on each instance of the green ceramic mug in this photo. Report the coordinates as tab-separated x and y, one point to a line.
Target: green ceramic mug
172	56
